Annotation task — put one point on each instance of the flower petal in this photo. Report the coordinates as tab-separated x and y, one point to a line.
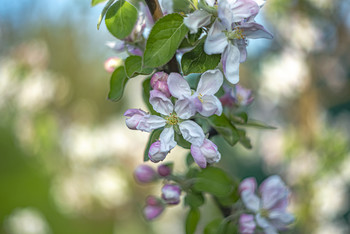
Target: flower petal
167	139
243	9
150	122
254	30
185	108
210	105
192	132
248	184
210	82
264	223
230	63
178	86
196	20
281	219
242	46
250	200
160	102
273	191
246	224
198	156
216	40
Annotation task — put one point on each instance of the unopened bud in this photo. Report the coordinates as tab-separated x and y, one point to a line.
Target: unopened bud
171	194
145	174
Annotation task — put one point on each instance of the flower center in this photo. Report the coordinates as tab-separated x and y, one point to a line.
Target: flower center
237	33
200	97
172	119
264	213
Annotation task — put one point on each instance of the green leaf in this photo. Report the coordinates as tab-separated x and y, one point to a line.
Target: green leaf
192	221
95	2
212	227
197	61
240	118
146	88
189	159
215	181
193	79
152	138
133	66
194	200
103	13
244	140
224	127
121	18
182	142
258	124
165	37
181	6
117	84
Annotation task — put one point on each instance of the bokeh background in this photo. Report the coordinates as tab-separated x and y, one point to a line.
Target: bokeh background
66	157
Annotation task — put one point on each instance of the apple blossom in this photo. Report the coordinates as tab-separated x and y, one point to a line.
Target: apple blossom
171	194
246	224
154	207
145	174
206	153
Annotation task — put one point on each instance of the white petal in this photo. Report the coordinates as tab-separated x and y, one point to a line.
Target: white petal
250	200
216	40
184	108
248	184
178	86
282	217
273	191
198	156
210	82
197	19
150	122
230	63
264	223
192	132
210	105
167	139
160	102
243	9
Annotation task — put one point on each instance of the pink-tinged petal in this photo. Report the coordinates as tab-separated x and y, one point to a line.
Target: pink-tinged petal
196	20
155	154
216	40
265	224
242	47
185	108
118	46
250	200
152	212
198	156
171	194
150	122
248	184
272	191
164	170
254	30
167	139
210	151
178	86
135	117
243	9
246	224
210	105
192	132
230	63
160	102
225	13
210	82
158	76
280	219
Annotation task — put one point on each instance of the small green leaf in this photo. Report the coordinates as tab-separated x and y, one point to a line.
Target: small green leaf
181	6
189	159
121	18
164	39
240	118
146	88
193	79
197	61
243	139
192	221
103	13
215	181
152	138
95	2
194	200
258	124
133	66
182	142
117	84
223	126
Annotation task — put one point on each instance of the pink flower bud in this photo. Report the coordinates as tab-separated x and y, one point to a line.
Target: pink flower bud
135	116
206	153
112	63
246	224
145	174
154	207
164	170
159	82
155	154
171	194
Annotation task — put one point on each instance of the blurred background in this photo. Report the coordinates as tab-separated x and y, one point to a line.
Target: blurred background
66	157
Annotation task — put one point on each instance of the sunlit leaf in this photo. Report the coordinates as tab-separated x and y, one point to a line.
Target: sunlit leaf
192	220
103	13
117	84
133	67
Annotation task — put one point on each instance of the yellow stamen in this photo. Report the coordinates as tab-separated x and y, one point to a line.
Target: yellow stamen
172	119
